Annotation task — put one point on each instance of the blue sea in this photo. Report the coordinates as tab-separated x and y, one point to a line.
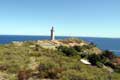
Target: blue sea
112	44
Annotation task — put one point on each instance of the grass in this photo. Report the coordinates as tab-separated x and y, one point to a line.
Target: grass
24	62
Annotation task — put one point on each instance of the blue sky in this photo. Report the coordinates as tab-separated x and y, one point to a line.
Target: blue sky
94	18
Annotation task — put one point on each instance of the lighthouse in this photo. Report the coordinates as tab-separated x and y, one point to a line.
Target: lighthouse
52	33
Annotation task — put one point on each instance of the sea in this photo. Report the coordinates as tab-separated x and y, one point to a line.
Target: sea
112	44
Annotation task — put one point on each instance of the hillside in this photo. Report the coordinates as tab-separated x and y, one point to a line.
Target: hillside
54	60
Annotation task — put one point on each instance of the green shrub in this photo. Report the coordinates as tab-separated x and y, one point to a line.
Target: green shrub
84	55
110	64
68	51
93	58
99	64
117	68
84	47
48	70
99	59
77	48
108	54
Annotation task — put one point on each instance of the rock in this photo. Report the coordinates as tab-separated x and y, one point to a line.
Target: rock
85	61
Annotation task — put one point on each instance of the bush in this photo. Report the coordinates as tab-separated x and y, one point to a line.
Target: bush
68	51
86	47
48	70
100	59
93	58
108	54
110	64
84	55
78	48
99	64
117	68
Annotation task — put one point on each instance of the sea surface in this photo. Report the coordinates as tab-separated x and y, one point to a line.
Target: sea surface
112	44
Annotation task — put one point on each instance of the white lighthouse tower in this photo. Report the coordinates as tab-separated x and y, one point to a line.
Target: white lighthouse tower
52	33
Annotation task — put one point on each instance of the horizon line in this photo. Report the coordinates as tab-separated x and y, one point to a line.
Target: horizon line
59	36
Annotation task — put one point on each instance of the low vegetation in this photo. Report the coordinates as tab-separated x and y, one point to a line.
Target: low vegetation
30	61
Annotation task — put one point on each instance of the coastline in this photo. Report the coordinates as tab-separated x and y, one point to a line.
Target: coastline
102	43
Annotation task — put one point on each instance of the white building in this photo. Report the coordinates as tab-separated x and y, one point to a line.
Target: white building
52	33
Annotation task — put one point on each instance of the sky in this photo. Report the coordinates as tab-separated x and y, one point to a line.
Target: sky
92	18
